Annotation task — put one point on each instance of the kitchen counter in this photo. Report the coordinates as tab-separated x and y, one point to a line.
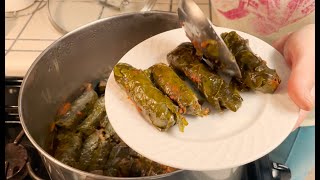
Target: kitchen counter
27	36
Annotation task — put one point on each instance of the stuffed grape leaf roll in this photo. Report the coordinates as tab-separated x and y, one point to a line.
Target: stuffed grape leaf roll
184	60
256	75
98	113
152	103
175	88
78	110
68	148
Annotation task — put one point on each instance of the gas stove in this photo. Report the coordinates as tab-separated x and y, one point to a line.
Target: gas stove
22	161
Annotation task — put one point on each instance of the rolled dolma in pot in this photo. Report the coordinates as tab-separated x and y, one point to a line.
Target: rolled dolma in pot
256	75
217	92
108	129
100	88
138	168
156	169
151	102
68	148
96	149
101	155
89	125
78	110
89	147
120	161
144	167
175	88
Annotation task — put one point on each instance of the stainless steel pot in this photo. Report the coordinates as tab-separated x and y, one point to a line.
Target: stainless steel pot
83	55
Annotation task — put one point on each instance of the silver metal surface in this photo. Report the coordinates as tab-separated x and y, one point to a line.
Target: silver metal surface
12	122
6	165
85	54
31	172
200	29
18	138
56	10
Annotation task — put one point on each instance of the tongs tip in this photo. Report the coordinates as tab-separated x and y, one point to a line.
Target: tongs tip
199	29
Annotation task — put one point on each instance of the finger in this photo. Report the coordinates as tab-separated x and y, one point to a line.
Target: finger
300	86
302	116
302	57
279	44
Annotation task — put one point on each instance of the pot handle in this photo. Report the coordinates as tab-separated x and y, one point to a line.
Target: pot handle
31	172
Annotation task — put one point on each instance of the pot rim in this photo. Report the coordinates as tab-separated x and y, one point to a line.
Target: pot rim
21	98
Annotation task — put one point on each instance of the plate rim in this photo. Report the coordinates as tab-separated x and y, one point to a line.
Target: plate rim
230	165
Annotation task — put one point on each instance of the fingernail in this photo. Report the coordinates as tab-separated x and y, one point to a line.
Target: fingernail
309	96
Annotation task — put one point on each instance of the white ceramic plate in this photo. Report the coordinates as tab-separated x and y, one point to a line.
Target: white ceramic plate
214	142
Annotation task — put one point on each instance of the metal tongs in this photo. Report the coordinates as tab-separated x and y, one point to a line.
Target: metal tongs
199	29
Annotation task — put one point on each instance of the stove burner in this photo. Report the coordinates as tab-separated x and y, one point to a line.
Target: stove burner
18	160
21	157
15	158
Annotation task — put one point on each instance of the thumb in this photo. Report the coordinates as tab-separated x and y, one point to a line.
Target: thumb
300	85
279	44
302	116
299	50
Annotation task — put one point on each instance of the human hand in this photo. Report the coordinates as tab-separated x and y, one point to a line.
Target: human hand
298	49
